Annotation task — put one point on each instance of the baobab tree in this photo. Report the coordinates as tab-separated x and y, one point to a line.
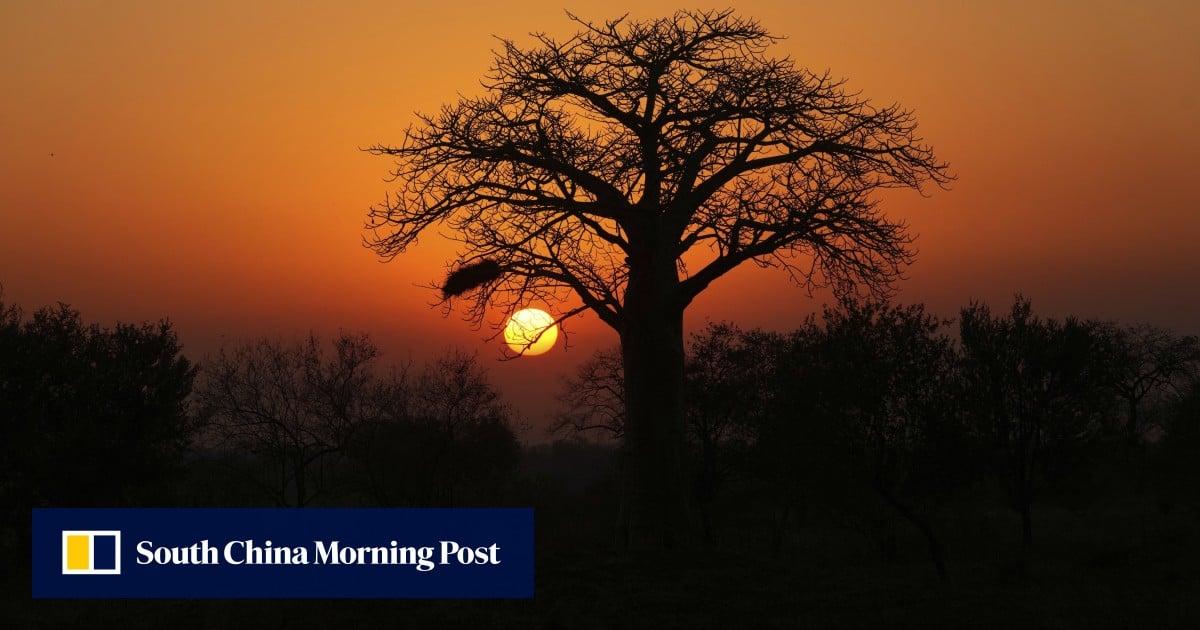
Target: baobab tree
624	169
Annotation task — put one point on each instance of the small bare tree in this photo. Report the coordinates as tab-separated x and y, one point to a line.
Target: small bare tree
1143	361
594	398
626	168
293	406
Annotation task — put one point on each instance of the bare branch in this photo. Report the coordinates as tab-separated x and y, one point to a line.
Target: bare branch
631	142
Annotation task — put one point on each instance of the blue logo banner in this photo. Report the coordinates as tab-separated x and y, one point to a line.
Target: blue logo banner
282	553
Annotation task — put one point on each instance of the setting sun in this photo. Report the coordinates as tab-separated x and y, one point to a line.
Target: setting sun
524	332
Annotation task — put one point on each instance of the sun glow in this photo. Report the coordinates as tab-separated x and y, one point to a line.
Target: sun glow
530	332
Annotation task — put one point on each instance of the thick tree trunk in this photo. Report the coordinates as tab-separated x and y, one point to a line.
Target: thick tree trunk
653	358
652	354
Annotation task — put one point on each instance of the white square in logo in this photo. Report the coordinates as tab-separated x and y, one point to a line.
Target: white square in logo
91	552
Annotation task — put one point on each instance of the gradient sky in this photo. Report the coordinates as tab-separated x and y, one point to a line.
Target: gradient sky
200	160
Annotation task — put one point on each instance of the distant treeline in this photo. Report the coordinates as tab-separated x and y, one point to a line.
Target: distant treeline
875	413
869	416
93	416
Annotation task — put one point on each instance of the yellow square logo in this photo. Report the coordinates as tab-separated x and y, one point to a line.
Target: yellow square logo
91	552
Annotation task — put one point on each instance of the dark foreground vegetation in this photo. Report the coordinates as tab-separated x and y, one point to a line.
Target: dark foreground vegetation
876	467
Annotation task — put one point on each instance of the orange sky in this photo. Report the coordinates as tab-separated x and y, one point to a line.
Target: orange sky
206	166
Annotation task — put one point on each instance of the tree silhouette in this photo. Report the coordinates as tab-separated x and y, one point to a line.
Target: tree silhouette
293	406
727	386
626	168
1143	360
89	416
1036	385
448	440
884	378
594	397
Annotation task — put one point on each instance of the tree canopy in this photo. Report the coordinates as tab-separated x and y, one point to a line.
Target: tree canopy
680	135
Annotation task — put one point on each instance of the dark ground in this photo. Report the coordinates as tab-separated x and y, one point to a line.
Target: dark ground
1089	569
